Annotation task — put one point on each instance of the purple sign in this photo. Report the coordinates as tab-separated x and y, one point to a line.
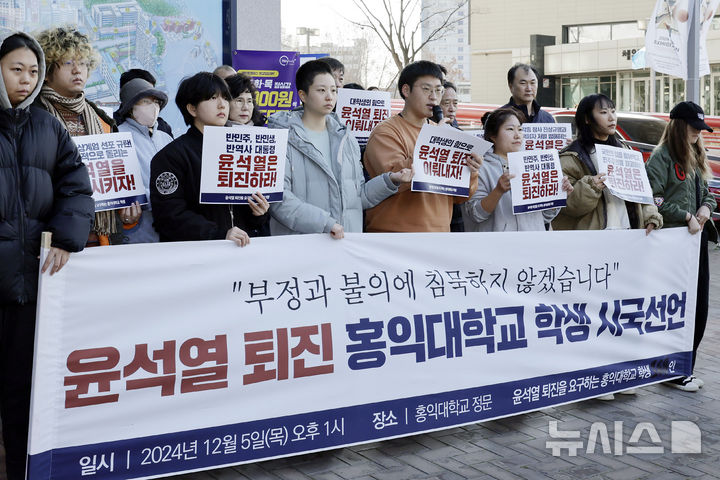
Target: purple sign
273	74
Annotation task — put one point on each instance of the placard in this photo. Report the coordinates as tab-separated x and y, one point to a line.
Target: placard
362	110
241	160
439	160
626	174
546	136
537	184
114	169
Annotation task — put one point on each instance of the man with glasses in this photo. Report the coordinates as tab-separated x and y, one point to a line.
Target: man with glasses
69	59
390	148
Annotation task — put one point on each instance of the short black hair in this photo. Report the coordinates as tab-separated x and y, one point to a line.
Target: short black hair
17	40
443	69
198	88
418	69
308	71
333	63
354	86
495	120
584	120
447	85
524	66
240	83
134	73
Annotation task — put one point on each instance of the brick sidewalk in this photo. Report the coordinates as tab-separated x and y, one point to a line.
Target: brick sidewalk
514	447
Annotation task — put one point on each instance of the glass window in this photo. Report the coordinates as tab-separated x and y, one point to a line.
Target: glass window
639	92
625	30
678	90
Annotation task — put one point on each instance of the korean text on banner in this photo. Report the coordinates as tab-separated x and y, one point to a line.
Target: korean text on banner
537	184
626	174
239	161
546	136
273	74
372	337
362	110
439	160
114	170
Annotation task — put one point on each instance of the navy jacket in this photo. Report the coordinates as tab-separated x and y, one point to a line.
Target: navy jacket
541	116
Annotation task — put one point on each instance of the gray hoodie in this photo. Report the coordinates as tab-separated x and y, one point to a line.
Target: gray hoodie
4	99
477	219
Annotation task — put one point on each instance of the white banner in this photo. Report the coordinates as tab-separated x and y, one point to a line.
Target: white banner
667	36
546	136
362	110
537	184
626	174
239	161
439	160
114	169
155	359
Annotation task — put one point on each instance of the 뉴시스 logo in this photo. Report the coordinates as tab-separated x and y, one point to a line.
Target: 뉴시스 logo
685	437
284	61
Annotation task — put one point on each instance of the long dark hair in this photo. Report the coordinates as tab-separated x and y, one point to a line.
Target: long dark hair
584	120
688	155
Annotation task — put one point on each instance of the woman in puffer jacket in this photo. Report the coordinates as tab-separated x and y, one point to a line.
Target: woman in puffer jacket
44	186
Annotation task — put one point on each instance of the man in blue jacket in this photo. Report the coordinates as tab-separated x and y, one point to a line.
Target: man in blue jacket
523	84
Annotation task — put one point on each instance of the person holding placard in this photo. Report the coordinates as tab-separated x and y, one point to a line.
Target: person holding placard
391	147
325	190
678	171
242	105
203	100
44	186
490	208
140	105
591	206
70	58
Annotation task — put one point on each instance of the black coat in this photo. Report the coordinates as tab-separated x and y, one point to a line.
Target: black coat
175	197
44	186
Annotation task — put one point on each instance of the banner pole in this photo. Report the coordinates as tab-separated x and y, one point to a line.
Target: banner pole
692	86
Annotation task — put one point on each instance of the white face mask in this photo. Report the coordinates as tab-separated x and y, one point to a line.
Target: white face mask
146	114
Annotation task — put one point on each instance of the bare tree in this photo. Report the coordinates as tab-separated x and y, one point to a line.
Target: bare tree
398	32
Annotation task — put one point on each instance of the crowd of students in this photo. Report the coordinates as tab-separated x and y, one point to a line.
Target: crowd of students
330	186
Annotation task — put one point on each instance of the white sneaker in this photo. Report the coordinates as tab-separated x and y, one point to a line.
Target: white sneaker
606	398
683	383
697	381
629	391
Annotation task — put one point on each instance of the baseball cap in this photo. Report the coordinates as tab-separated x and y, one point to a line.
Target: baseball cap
692	113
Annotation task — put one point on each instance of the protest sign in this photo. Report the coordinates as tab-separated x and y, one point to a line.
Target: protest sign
626	175
114	170
273	74
225	357
480	133
439	160
362	110
538	181
239	161
546	136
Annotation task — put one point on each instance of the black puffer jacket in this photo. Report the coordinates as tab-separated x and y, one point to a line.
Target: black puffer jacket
44	186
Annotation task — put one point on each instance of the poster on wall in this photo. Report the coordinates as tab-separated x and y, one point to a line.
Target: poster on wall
171	39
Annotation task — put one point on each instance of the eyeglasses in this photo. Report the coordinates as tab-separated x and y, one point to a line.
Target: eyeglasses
438	91
72	64
243	102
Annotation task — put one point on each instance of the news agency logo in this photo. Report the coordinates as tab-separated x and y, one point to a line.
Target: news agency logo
284	61
685	437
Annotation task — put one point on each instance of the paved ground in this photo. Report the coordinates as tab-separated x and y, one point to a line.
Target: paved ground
515	447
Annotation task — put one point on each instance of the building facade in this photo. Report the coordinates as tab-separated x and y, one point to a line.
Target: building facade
580	48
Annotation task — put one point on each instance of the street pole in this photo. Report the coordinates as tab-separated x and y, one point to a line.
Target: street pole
692	85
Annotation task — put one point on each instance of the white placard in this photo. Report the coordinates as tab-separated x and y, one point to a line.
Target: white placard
362	110
239	161
626	174
538	181
114	169
546	136
439	160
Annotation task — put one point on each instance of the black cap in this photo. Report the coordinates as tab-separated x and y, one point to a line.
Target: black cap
692	113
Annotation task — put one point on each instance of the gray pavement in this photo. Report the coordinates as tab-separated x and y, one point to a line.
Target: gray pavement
515	447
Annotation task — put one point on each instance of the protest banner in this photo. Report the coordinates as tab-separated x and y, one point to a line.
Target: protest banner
114	170
362	110
626	174
439	160
666	38
546	136
224	357
239	161
273	74
537	184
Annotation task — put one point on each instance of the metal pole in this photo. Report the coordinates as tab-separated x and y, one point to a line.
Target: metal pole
653	93
692	85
